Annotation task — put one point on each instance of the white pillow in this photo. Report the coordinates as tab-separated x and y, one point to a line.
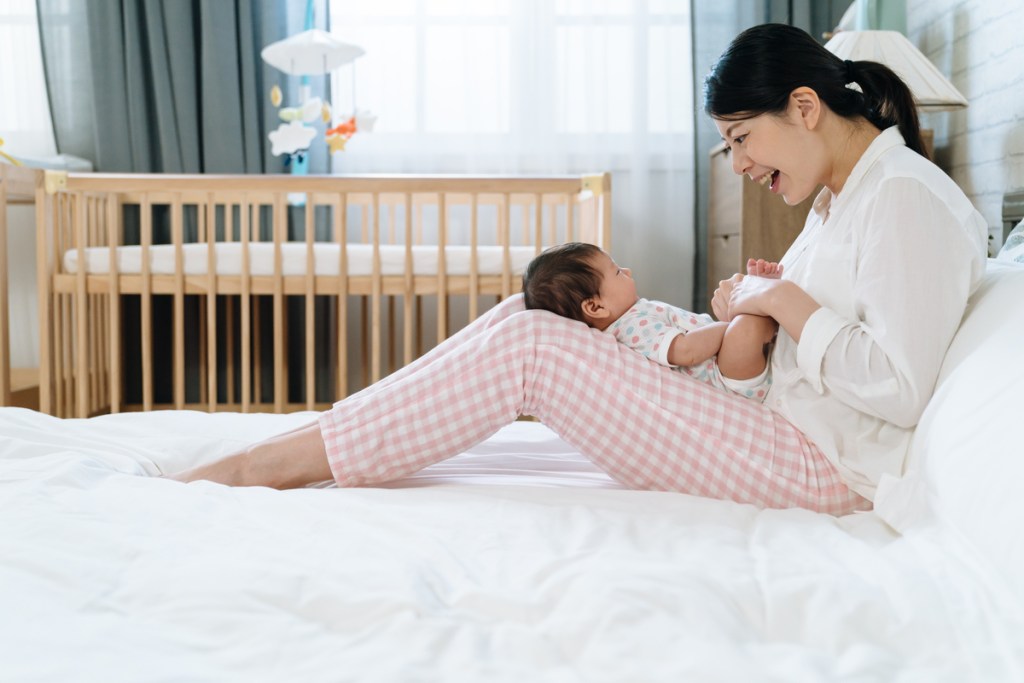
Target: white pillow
966	462
1013	247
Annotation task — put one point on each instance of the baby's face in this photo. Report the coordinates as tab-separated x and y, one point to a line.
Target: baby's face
618	290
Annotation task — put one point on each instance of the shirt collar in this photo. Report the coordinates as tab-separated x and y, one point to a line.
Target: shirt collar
889	138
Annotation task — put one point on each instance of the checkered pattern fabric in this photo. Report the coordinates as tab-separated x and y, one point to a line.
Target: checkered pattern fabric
647	426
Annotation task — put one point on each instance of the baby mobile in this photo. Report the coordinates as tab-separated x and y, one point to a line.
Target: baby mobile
311	53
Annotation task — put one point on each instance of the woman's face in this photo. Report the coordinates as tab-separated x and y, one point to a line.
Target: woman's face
774	151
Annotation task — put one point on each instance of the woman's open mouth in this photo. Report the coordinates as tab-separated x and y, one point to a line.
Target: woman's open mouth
770	179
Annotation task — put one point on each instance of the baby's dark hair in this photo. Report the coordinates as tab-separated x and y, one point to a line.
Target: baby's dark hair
561	278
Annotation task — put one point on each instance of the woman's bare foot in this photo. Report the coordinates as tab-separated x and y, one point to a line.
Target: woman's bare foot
290	460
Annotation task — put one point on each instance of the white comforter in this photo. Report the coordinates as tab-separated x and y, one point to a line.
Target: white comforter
516	562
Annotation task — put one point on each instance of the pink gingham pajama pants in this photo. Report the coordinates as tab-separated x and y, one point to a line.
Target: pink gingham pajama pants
645	425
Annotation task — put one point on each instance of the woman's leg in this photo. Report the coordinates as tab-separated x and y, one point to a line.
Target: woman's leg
647	426
297	457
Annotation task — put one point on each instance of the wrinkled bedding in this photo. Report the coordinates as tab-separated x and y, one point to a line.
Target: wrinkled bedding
517	561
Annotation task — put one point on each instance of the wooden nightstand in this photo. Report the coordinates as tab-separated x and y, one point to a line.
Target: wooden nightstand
745	220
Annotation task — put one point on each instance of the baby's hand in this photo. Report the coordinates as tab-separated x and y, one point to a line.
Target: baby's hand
761	268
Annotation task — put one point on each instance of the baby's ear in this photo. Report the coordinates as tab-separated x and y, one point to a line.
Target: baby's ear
593	310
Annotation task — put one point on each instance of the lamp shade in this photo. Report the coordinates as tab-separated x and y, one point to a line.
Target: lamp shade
931	90
310	53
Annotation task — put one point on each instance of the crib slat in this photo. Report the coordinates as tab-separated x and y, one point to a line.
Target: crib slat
474	258
538	223
65	393
246	304
552	226
505	239
114	301
5	339
375	296
280	228
211	302
257	324
409	292
442	267
340	235
418	235
81	310
310	298
177	237
570	218
229	311
93	370
61	340
147	306
44	234
605	233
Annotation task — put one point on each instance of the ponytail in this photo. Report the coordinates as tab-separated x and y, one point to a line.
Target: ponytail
888	102
764	64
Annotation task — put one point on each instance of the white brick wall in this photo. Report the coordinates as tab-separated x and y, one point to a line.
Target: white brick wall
977	45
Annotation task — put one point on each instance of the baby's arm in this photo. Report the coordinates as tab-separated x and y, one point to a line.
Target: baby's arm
762	268
697	345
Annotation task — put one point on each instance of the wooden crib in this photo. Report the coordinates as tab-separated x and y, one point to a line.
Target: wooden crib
277	293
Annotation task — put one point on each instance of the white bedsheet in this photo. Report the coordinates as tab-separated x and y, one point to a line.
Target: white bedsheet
326	258
516	562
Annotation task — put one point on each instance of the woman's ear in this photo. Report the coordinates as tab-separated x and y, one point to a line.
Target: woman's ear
805	105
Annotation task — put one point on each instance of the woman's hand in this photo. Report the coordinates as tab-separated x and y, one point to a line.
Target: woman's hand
720	300
751	295
782	300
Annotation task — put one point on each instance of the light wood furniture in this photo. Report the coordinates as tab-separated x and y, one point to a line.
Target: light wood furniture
83	309
18	185
745	220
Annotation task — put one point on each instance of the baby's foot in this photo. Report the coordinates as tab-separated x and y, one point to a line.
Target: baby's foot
761	268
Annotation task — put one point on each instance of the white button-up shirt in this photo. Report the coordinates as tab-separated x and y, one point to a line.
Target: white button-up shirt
892	259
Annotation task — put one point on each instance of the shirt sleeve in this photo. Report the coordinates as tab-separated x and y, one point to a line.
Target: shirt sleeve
916	265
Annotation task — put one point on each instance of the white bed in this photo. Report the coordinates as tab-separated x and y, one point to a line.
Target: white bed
517	561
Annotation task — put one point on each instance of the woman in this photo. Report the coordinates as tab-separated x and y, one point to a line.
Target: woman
872	293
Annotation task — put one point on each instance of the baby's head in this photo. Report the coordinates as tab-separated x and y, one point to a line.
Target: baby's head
581	282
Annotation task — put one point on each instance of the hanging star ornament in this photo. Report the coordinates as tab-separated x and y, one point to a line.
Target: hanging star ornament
336	143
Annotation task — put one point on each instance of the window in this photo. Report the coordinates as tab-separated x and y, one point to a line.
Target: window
522	76
24	111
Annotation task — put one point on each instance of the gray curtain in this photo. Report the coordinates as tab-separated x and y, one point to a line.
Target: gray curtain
161	86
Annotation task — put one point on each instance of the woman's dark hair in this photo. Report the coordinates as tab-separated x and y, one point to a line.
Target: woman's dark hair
764	64
561	278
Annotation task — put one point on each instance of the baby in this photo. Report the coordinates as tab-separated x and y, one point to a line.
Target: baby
582	282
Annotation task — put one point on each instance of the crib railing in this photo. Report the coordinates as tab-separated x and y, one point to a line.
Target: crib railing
353	260
18	186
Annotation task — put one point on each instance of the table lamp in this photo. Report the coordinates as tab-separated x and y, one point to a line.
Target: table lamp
932	91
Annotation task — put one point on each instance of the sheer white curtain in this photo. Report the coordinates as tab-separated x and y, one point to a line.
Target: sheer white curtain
27	133
24	112
535	86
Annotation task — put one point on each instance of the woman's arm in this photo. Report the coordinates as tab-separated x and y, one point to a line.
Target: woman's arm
697	345
783	300
876	341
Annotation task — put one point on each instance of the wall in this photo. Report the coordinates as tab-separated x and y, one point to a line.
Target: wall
976	44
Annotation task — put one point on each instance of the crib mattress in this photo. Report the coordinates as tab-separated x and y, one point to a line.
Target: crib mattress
326	259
